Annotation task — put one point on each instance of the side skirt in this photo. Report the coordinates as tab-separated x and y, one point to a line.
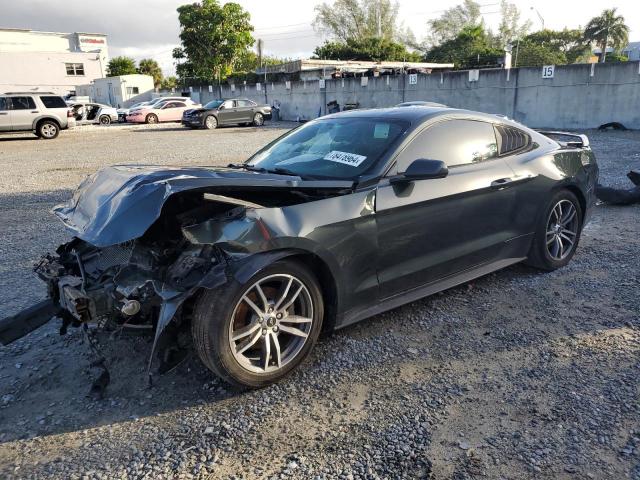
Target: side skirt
426	290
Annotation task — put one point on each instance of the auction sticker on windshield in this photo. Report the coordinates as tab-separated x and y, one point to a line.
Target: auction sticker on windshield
345	157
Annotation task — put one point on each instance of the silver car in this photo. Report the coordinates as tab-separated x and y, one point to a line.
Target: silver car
43	113
93	113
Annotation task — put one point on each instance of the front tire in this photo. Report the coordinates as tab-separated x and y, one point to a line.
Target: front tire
211	122
48	130
558	232
105	120
255	334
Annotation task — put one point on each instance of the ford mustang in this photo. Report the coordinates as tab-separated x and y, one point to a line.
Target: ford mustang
340	219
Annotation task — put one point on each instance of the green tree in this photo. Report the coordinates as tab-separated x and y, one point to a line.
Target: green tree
148	66
607	29
472	47
358	19
453	21
213	36
121	66
532	54
571	43
169	83
369	48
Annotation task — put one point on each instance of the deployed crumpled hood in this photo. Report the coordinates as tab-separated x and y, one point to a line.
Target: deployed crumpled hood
120	203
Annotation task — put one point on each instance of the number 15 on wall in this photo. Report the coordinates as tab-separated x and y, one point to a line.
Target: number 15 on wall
547	71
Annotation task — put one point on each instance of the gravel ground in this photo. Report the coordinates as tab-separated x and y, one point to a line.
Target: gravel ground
516	375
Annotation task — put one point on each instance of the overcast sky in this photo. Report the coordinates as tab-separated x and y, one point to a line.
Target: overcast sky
149	28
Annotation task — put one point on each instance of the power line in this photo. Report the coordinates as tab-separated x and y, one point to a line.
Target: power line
282	26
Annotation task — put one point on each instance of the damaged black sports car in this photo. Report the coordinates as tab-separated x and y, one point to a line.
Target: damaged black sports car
340	219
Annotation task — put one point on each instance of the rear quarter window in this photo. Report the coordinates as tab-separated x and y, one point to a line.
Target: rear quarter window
511	140
53	102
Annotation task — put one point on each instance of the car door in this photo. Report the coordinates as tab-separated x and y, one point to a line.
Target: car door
167	112
431	229
245	111
23	112
5	117
227	113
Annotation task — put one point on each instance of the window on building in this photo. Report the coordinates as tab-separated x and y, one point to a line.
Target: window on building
53	102
75	69
455	142
133	90
22	103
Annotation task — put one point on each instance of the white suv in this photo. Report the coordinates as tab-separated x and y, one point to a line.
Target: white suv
44	114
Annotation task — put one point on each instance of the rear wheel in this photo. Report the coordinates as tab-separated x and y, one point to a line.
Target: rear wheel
210	122
558	232
254	334
151	118
258	120
47	129
105	120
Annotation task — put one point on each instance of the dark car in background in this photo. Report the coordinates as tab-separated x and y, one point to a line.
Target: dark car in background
342	218
235	111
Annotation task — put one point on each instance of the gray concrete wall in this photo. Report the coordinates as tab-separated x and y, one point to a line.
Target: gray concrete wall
579	96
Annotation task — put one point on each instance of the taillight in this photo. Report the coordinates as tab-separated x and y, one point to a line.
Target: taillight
69	113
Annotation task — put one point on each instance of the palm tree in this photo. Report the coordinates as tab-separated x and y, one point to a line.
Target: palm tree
607	29
148	66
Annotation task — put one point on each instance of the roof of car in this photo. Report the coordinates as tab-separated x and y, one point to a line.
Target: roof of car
418	115
395	113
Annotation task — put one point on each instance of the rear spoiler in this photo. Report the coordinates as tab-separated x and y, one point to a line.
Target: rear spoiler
576	140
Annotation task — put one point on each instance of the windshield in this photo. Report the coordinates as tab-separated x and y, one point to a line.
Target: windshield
336	148
213	104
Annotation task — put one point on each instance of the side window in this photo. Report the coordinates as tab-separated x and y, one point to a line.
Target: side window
455	142
3	104
229	104
53	102
179	104
22	103
511	140
246	103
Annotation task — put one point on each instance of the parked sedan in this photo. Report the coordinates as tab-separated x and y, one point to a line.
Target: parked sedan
96	113
166	111
340	219
236	111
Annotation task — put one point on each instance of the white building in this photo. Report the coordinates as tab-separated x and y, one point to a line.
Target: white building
121	91
49	61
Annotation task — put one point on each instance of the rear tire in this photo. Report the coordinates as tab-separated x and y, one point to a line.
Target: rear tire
258	120
47	129
557	233
249	343
151	118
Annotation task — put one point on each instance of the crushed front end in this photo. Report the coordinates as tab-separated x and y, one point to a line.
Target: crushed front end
124	284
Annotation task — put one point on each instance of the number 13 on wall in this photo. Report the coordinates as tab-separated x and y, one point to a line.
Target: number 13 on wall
547	71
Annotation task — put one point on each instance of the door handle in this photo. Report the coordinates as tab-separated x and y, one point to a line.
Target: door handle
4	113
508	181
501	183
35	111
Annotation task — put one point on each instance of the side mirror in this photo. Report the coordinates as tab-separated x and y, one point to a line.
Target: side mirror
221	107
422	169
